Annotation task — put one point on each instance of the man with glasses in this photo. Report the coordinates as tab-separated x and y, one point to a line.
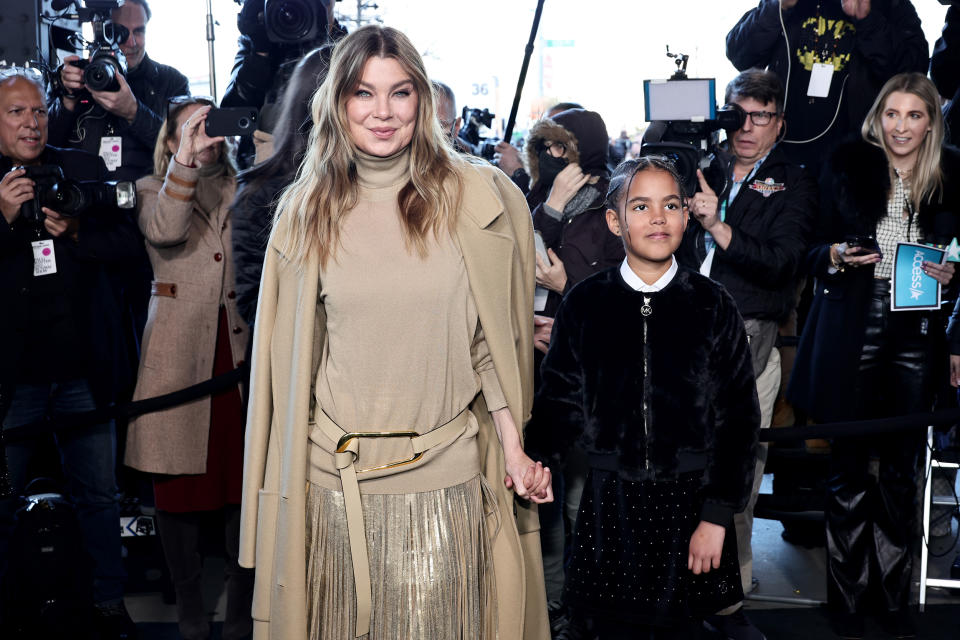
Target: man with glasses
752	238
120	126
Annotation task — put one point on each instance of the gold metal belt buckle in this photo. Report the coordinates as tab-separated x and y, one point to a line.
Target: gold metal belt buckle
347	437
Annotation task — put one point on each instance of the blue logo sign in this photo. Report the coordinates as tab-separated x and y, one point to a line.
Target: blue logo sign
912	288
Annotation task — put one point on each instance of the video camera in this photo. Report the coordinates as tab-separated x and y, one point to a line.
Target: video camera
284	22
473	119
106	61
684	124
73	197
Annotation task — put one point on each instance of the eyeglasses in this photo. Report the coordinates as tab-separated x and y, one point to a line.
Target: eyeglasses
761	118
178	102
559	146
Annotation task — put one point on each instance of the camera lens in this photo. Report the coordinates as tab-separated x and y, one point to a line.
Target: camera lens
100	75
292	18
243	123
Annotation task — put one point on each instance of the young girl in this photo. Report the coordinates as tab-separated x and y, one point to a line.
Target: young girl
649	371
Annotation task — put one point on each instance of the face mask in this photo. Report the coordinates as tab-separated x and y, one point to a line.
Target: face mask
550	167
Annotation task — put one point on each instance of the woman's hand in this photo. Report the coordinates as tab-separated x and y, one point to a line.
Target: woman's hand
848	256
706	543
553	277
542	328
954	371
529	479
942	273
566	185
193	139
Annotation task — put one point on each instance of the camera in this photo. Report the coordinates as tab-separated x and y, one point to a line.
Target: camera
106	61
684	124
73	197
285	22
473	119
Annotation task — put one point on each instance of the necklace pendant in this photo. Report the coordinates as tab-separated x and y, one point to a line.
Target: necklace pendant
646	309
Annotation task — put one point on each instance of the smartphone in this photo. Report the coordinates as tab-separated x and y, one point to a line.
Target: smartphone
541	248
863	244
232	121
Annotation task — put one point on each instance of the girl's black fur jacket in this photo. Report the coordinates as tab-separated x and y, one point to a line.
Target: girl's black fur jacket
654	401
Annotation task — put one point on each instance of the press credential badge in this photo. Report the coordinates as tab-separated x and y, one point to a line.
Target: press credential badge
820	78
111	148
44	258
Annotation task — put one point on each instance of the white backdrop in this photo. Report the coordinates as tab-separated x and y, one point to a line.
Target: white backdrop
596	52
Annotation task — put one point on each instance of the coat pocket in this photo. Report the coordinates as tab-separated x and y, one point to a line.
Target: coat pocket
267	512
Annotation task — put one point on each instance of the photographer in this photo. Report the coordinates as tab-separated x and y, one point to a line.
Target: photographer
129	118
751	238
60	322
261	70
837	55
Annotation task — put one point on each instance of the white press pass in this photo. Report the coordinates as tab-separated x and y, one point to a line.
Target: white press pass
111	148
44	258
820	78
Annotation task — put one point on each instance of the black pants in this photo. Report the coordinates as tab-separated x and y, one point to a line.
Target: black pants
871	521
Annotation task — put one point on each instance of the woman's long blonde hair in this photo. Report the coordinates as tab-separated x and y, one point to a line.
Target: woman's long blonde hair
314	205
926	180
168	131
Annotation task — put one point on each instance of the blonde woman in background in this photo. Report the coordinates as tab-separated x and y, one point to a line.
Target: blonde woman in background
193	332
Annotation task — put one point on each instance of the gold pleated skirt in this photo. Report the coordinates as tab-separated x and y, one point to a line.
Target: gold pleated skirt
431	564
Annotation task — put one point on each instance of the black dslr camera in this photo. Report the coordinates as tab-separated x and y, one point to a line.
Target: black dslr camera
72	197
106	61
473	119
684	125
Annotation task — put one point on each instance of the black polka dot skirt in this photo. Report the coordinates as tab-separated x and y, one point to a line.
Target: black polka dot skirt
630	549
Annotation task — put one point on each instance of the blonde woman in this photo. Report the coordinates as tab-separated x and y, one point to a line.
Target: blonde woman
193	331
859	360
392	359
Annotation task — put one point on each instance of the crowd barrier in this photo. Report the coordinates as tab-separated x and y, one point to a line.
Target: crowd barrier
944	417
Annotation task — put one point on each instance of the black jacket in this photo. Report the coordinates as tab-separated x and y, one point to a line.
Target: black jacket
854	189
945	71
153	84
252	214
69	324
888	41
772	220
662	394
583	243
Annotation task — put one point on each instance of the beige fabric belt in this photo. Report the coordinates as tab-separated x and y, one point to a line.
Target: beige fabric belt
346	457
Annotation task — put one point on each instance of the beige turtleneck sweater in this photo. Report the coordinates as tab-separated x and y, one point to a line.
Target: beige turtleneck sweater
404	347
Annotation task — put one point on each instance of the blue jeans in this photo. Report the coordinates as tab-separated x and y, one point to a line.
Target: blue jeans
88	457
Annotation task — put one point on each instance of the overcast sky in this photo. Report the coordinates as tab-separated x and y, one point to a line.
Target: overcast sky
596	52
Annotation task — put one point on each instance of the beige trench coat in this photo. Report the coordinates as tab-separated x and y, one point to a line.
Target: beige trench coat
190	251
496	236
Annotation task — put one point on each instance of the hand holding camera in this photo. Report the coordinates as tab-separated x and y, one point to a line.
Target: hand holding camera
15	189
193	139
